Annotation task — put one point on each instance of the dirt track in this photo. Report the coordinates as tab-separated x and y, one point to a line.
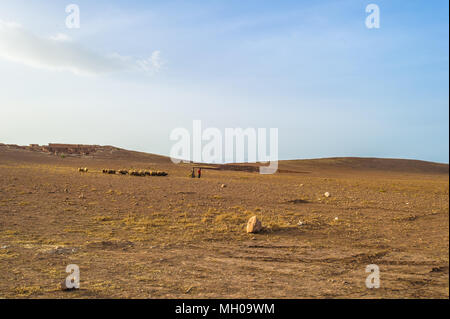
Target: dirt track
174	236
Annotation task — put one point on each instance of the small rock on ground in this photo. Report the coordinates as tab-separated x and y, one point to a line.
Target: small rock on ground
254	225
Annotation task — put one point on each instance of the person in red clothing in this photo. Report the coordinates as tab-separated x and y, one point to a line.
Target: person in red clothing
199	172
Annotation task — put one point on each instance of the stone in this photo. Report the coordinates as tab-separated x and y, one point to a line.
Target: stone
254	225
223	185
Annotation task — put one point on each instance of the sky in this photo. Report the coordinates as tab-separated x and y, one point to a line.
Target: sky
136	70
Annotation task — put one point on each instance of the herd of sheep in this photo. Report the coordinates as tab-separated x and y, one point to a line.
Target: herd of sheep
125	172
135	172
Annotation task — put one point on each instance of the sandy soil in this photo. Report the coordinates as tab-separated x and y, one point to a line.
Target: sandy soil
178	237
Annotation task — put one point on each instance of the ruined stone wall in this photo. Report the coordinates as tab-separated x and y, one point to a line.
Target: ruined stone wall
70	148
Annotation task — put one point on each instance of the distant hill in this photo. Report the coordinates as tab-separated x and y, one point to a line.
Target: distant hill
366	164
43	153
99	152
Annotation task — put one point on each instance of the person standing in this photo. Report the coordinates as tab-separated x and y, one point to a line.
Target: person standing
199	172
193	173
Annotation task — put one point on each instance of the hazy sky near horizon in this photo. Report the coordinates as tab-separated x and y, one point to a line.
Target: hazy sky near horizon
135	70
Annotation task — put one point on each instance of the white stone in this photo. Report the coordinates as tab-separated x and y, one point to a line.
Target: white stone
254	225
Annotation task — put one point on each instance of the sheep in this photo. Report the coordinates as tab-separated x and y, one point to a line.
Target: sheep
145	173
83	169
136	173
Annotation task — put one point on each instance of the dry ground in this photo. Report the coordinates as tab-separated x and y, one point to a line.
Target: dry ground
178	237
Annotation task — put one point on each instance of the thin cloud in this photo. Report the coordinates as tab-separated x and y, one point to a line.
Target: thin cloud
60	37
153	63
60	53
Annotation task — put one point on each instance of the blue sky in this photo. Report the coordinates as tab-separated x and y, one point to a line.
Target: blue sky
312	69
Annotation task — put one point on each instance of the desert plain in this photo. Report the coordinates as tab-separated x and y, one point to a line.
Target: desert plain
180	237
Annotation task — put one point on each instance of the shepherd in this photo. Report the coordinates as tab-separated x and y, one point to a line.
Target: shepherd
199	172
